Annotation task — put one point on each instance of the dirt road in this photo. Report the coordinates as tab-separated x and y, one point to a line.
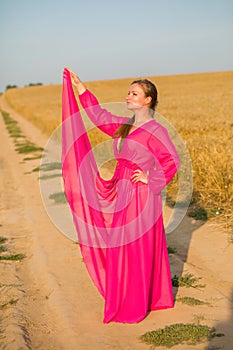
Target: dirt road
54	303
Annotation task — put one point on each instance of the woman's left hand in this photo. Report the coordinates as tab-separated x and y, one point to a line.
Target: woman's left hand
75	80
139	175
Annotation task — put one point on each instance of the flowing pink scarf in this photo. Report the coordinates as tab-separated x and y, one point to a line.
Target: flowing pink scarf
79	172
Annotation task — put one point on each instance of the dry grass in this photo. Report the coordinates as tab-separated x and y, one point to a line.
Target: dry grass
40	104
200	106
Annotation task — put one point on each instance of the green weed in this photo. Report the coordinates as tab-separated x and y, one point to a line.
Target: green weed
13	257
58	197
191	301
12	125
46	177
8	256
171	250
33	158
28	147
179	333
51	166
36	169
198	213
10	302
3	240
188	280
2	248
25	146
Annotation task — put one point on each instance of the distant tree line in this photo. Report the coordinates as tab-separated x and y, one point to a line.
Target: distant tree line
15	86
11	87
34	84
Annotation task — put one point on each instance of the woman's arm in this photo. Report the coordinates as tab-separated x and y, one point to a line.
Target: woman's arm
103	119
166	160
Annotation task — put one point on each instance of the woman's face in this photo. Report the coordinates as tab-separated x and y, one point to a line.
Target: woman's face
136	97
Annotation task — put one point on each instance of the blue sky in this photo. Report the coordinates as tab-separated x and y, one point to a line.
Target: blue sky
102	39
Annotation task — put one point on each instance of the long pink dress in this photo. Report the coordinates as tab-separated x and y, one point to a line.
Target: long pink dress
119	224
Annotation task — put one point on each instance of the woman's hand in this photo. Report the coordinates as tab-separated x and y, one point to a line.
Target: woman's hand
76	82
139	175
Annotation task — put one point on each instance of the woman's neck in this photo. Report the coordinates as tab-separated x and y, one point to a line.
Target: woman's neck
142	116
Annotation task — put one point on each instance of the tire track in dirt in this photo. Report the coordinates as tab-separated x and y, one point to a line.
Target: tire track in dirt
37	312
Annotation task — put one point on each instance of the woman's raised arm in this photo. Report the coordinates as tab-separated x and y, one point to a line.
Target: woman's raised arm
103	119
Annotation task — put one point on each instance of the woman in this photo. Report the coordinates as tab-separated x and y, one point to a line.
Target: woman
119	221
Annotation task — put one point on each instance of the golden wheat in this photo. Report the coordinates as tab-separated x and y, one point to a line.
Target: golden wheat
200	106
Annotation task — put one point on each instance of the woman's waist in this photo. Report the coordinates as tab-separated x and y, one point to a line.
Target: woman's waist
128	164
140	163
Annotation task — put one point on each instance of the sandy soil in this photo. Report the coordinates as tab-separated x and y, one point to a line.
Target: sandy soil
57	306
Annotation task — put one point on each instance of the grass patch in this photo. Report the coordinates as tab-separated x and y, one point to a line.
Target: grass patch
171	250
8	256
51	166
188	280
16	135
11	125
179	333
10	302
46	177
59	197
2	248
191	301
28	147
13	257
48	167
10	285
21	146
3	240
198	214
6	117
33	158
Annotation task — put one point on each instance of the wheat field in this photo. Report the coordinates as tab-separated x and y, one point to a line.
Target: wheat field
200	107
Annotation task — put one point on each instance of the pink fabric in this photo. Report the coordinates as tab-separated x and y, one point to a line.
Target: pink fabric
119	224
